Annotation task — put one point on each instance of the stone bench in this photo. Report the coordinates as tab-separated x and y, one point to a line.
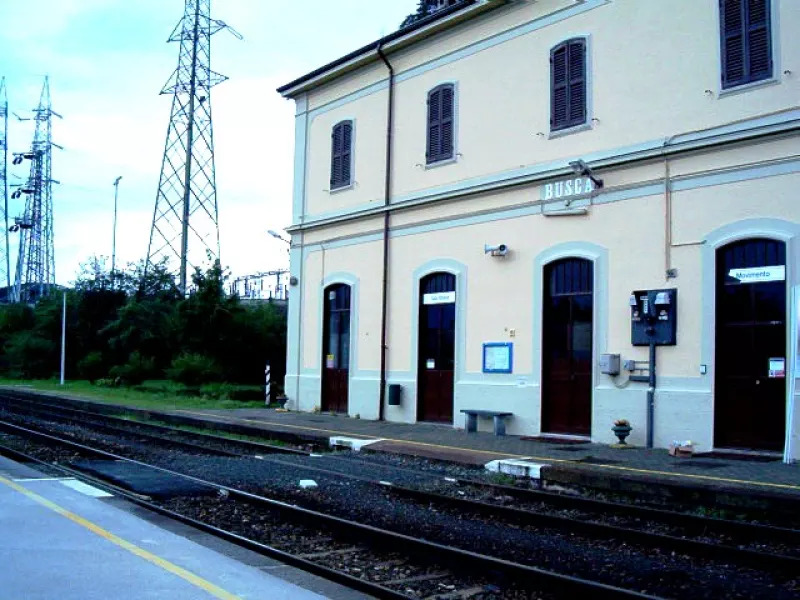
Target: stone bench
499	419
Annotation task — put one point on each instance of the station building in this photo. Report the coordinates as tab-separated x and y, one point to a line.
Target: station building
500	206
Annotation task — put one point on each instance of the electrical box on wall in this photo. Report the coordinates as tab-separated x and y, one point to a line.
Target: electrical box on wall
654	317
609	364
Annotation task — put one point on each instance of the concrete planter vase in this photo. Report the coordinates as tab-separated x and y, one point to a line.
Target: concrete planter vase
622	431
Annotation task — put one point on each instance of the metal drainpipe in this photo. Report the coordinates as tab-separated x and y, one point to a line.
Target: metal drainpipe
651	395
387	197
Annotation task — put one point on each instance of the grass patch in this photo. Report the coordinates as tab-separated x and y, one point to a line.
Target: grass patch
159	395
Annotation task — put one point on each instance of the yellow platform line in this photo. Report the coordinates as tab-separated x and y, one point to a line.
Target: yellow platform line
711	478
195	580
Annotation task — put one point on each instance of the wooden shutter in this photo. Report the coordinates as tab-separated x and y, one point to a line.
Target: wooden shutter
759	51
577	83
341	154
568	85
347	149
746	46
441	115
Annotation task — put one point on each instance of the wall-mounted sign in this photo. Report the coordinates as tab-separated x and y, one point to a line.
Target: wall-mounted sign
577	186
777	368
439	298
759	274
329	361
430	363
498	357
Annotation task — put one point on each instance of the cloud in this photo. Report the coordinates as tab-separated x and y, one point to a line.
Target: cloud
108	60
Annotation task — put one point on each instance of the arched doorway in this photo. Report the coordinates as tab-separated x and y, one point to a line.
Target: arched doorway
336	348
568	322
437	332
749	388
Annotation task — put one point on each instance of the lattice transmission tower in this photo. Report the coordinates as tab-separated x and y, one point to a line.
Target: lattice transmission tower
5	256
36	263
185	230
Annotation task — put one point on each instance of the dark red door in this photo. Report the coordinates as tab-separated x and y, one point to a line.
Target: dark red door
437	329
336	349
567	347
749	404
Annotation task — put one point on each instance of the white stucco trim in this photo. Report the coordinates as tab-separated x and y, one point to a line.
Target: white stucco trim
353	145
599	257
459	270
453	159
777	75
588	123
776	229
340	277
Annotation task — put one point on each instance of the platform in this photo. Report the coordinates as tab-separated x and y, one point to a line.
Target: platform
567	462
63	539
594	465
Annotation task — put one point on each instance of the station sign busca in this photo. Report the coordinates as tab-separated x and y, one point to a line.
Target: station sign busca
567	188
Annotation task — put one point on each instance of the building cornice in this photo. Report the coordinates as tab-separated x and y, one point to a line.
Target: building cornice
430	26
775	124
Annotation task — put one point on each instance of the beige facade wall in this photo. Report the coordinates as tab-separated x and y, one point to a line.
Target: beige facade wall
681	162
503	113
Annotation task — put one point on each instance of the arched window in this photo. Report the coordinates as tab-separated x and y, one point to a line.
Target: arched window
568	84
441	114
341	155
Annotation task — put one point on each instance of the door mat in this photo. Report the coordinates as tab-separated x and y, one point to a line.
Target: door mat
552	440
736	456
142	480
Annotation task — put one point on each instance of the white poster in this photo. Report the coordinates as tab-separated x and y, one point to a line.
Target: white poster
439	298
498	358
758	274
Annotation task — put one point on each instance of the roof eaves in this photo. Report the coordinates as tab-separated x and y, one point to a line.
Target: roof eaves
444	19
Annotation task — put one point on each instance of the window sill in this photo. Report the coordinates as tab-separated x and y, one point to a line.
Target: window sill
441	163
570	130
342	188
746	87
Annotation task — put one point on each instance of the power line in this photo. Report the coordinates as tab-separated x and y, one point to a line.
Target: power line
185	230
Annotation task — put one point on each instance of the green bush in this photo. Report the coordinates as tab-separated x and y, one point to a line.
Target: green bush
135	371
31	356
92	366
193	370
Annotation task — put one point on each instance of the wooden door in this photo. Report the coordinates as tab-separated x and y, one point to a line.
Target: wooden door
749	404
567	347
437	327
336	349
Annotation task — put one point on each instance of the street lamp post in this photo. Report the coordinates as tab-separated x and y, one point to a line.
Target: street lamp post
278	236
114	236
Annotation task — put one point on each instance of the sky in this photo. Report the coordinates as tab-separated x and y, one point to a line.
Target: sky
108	60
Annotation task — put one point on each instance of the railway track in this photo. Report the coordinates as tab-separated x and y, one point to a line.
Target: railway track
759	537
748	544
382	563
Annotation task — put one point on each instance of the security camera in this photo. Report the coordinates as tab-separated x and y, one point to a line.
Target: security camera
495	250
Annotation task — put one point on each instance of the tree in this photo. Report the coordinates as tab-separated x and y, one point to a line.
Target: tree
423	10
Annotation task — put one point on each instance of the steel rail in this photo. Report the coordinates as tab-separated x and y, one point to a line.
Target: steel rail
354	583
112	412
456	558
718	551
127	426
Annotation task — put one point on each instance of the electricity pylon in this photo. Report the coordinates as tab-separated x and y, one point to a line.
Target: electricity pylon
185	228
36	263
5	256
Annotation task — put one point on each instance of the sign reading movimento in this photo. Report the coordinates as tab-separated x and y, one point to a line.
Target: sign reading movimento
758	274
569	188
